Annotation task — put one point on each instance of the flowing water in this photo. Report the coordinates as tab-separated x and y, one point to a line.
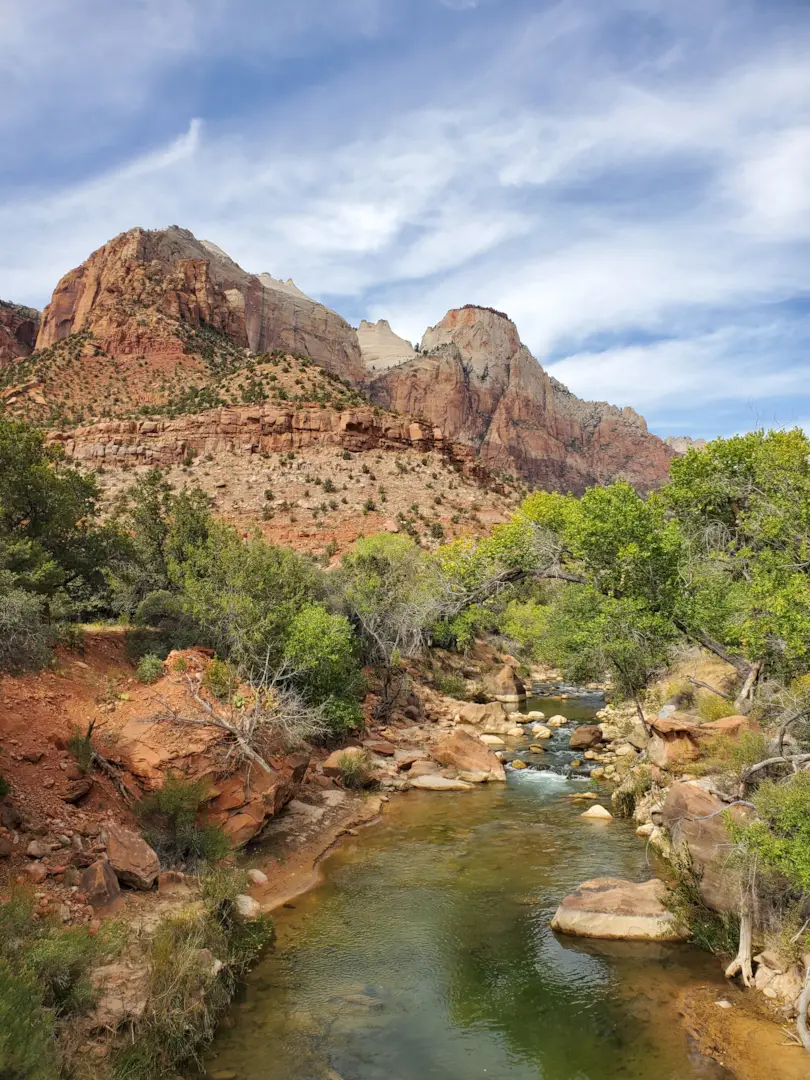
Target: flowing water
427	953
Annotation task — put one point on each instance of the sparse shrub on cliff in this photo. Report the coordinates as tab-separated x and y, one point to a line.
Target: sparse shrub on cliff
220	679
713	931
168	818
451	684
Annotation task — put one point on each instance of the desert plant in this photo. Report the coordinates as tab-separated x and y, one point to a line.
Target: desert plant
220	679
708	929
713	707
80	744
150	668
451	684
355	769
169	819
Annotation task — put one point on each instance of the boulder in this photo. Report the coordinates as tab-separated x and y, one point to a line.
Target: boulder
558	721
132	859
423	768
173	883
540	731
535	714
248	908
678	738
99	884
491	740
618	910
504	685
516	732
439	783
404	759
598	813
585	736
381	747
473	776
691	815
491	718
36	872
463	751
122	991
518	764
257	877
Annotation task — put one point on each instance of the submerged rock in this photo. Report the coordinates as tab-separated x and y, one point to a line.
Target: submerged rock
439	783
620	910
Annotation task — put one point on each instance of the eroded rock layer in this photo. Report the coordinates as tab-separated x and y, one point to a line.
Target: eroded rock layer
18	331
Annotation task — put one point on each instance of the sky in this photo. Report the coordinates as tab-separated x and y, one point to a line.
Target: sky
628	179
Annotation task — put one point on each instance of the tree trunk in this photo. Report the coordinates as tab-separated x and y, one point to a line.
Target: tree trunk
748	685
742	961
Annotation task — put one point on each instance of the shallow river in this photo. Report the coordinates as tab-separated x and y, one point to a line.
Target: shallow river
427	953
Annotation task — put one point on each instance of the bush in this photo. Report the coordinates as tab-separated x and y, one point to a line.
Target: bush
708	929
355	770
712	707
169	821
149	669
635	785
451	684
732	756
780	836
4	788
341	717
186	994
220	679
321	650
25	639
80	745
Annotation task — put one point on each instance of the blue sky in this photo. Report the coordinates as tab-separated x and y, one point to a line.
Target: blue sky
628	179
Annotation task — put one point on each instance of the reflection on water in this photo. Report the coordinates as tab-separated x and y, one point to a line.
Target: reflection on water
427	953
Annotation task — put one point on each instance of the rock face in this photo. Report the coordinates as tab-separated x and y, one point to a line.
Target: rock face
585	736
132	859
127	292
695	821
474	379
465	752
382	349
678	739
504	685
619	910
18	331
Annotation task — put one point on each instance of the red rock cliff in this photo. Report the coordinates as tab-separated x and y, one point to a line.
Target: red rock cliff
476	381
18	331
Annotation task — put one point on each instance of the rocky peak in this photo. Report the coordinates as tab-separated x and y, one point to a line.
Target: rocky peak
477	381
683	443
124	292
18	331
381	348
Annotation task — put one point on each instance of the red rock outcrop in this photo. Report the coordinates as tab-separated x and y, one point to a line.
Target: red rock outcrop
476	381
18	331
130	293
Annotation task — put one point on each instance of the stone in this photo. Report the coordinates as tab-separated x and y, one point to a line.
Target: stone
613	909
516	733
537	749
10	817
694	818
504	685
645	830
540	731
473	776
257	877
122	991
491	718
518	764
37	872
99	884
423	768
247	908
78	790
380	746
331	767
558	720
585	736
37	849
463	751
6	847
439	783
173	883
133	860
33	757
535	714
492	740
404	759
598	813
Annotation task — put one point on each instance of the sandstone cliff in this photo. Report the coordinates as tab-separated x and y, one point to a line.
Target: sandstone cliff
479	384
18	331
130	293
381	348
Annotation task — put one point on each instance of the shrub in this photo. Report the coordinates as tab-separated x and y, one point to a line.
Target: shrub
180	665
451	684
341	717
80	745
71	636
25	639
150	668
712	707
355	770
708	929
780	836
322	652
220	679
681	691
169	821
636	784
4	788
730	755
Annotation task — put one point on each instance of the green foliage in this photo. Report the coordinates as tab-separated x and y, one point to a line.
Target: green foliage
525	623
321	650
150	669
713	931
44	985
168	817
80	745
634	786
25	637
732	755
713	707
780	835
4	788
451	684
220	680
355	770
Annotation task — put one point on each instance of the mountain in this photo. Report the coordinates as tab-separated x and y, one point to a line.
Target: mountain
161	324
18	331
474	379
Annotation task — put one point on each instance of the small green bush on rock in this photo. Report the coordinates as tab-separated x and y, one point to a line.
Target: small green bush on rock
150	668
169	821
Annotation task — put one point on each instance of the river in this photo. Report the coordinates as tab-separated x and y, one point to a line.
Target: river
426	951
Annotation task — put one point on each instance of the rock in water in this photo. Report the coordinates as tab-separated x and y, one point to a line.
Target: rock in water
620	910
464	751
439	783
585	736
598	813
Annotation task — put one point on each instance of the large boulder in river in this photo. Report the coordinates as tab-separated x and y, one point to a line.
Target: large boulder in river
132	859
619	910
585	736
439	783
504	685
696	820
466	752
491	719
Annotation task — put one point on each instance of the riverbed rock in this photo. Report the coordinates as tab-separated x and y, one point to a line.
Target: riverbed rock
492	740
491	718
132	859
614	909
474	776
404	759
99	884
598	813
248	908
518	764
331	767
439	783
381	747
540	731
464	751
585	736
535	714
558	721
504	685
695	820
423	768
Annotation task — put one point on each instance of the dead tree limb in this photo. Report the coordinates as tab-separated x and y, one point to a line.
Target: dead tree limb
802	1005
705	686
